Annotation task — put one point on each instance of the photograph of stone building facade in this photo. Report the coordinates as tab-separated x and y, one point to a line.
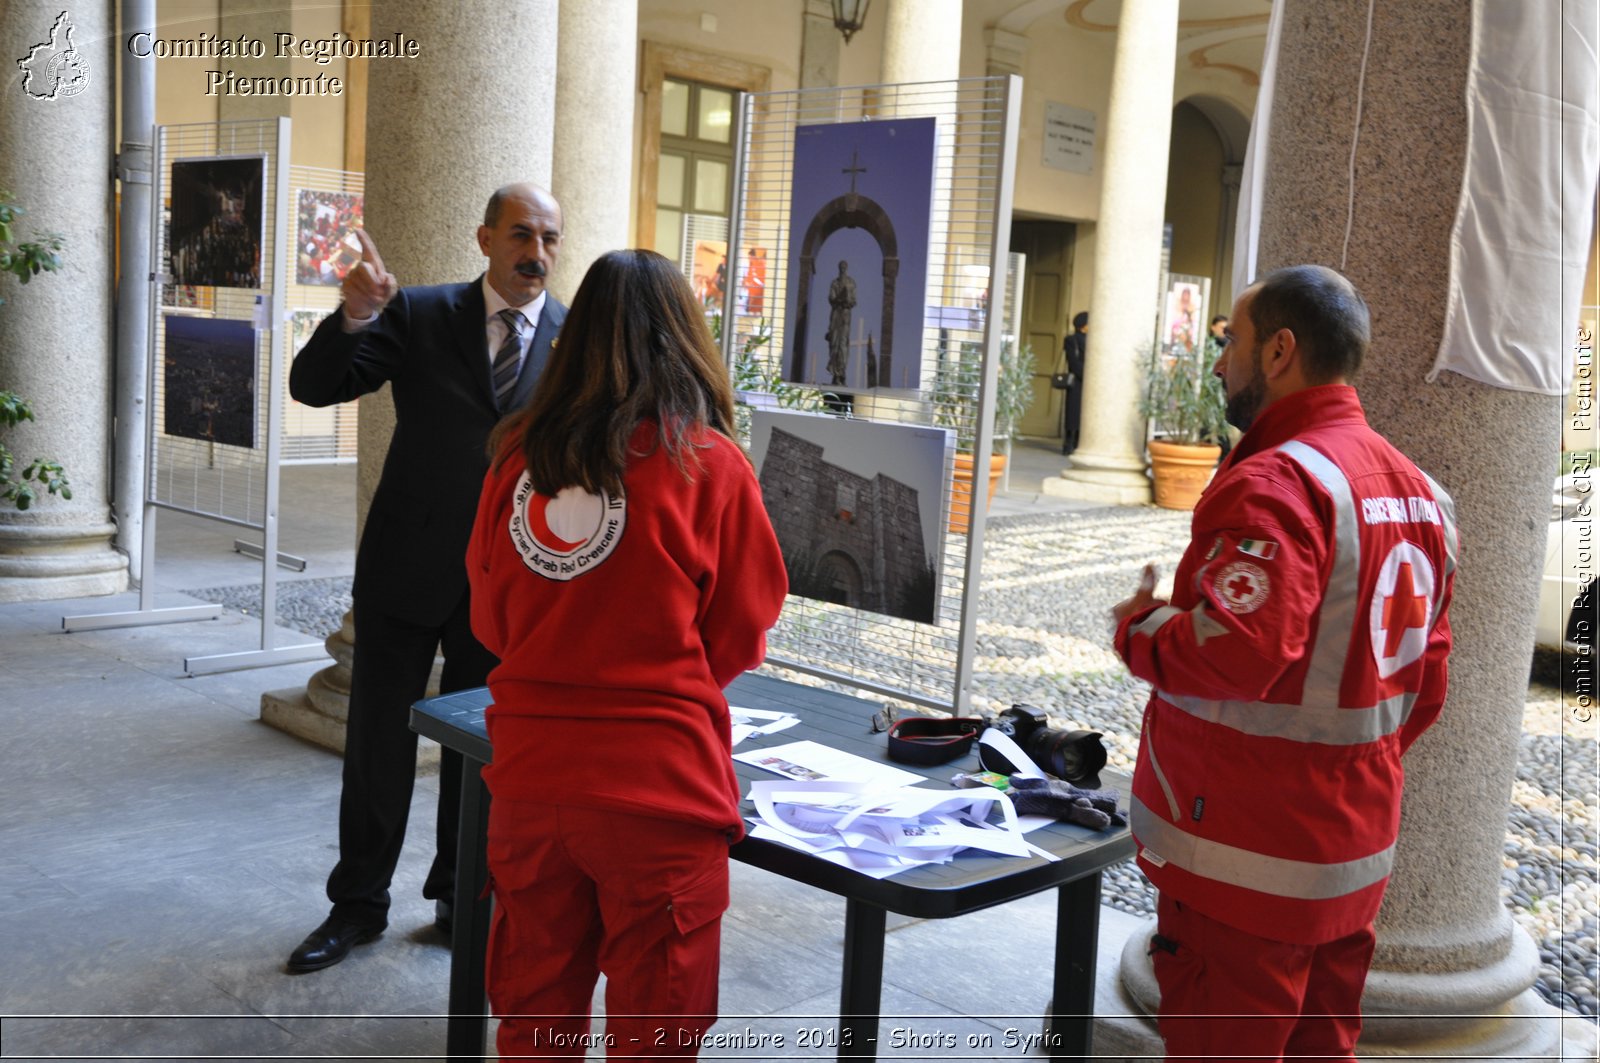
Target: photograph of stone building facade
848	539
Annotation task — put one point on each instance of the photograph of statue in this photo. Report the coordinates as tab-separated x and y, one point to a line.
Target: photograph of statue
209	380
857	274
856	506
215	237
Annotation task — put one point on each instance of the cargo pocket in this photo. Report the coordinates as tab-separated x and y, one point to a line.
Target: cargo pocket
695	905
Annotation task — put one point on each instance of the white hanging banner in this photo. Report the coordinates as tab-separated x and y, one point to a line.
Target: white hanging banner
1252	174
1524	224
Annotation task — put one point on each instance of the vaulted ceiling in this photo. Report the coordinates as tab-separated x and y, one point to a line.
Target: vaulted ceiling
1222	35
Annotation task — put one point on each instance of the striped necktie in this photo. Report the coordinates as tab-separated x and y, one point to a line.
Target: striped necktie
507	359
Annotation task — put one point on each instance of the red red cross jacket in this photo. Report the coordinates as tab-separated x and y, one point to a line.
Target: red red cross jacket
618	622
1302	653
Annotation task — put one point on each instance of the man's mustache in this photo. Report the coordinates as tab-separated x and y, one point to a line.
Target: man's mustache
531	269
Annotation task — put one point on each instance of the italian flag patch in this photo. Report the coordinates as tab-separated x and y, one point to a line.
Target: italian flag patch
1265	549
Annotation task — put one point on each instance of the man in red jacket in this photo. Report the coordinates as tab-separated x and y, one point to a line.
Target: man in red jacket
1302	653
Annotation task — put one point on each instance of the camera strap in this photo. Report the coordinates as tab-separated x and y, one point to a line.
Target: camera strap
929	740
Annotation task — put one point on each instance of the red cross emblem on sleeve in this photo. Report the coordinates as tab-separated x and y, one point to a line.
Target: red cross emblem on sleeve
1402	607
1242	587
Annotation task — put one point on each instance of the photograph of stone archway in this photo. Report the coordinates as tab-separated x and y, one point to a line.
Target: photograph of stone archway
859	215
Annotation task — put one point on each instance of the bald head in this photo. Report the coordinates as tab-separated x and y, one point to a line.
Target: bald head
521	236
526	190
1323	310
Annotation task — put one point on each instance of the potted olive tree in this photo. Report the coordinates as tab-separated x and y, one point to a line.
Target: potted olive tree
955	393
25	260
1187	412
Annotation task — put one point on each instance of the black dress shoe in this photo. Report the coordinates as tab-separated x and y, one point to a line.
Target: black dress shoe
443	912
330	943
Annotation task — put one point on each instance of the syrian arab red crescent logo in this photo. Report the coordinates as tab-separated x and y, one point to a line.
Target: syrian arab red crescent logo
563	537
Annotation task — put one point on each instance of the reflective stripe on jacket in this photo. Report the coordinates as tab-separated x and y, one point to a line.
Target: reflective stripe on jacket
1302	653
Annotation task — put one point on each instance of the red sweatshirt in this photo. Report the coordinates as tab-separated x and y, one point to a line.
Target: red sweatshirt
618	621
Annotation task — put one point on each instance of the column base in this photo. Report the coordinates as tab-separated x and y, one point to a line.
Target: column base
1446	1016
43	562
1117	479
320	712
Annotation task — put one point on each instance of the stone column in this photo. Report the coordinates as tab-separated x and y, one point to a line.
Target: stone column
921	41
435	150
1452	973
1108	465
598	45
56	333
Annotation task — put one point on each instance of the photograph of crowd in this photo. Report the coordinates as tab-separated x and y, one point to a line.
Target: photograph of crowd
326	246
710	274
210	380
215	238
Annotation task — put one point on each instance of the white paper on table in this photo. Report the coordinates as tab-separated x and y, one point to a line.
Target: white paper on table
813	811
909	803
746	722
906	823
1007	747
874	865
812	761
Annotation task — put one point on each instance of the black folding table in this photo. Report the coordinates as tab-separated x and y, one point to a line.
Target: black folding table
969	883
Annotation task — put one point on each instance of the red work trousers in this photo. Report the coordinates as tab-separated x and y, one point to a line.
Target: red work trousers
580	892
1226	994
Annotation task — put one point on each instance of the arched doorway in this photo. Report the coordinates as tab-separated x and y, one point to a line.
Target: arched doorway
1207	148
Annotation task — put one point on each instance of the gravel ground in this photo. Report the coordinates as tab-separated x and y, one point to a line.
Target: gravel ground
1044	638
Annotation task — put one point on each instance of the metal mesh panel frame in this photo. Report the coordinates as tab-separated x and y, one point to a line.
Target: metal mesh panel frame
928	664
326	435
231	484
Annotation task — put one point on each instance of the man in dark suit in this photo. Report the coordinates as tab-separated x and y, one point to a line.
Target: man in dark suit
459	357
1073	350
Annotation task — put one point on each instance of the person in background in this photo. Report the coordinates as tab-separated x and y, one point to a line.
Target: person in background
624	570
1218	334
458	357
1304	650
1073	349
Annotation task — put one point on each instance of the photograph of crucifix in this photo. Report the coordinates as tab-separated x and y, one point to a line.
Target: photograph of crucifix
858	254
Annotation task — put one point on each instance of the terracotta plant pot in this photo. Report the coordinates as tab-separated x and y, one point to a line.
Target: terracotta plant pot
961	489
1181	471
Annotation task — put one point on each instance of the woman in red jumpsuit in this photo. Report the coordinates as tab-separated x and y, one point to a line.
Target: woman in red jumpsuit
624	571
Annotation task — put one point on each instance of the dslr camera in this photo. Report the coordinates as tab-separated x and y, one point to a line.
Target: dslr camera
1076	756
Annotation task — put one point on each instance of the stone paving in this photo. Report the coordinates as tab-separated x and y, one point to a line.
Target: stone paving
1044	638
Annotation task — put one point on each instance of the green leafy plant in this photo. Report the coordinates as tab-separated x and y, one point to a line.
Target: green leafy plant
1183	400
25	260
955	392
755	372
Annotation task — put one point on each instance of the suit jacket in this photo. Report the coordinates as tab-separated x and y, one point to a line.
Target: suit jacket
429	345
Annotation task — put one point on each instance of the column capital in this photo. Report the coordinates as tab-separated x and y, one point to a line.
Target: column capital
1004	51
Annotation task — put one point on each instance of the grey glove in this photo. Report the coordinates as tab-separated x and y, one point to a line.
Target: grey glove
1095	809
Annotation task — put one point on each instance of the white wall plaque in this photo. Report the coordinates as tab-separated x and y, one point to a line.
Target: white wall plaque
1069	134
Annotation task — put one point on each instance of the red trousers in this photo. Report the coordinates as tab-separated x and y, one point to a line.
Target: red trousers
580	892
1230	995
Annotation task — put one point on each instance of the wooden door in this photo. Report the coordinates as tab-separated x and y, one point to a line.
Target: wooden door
1045	314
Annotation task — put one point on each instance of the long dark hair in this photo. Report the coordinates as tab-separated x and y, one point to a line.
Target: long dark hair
634	347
